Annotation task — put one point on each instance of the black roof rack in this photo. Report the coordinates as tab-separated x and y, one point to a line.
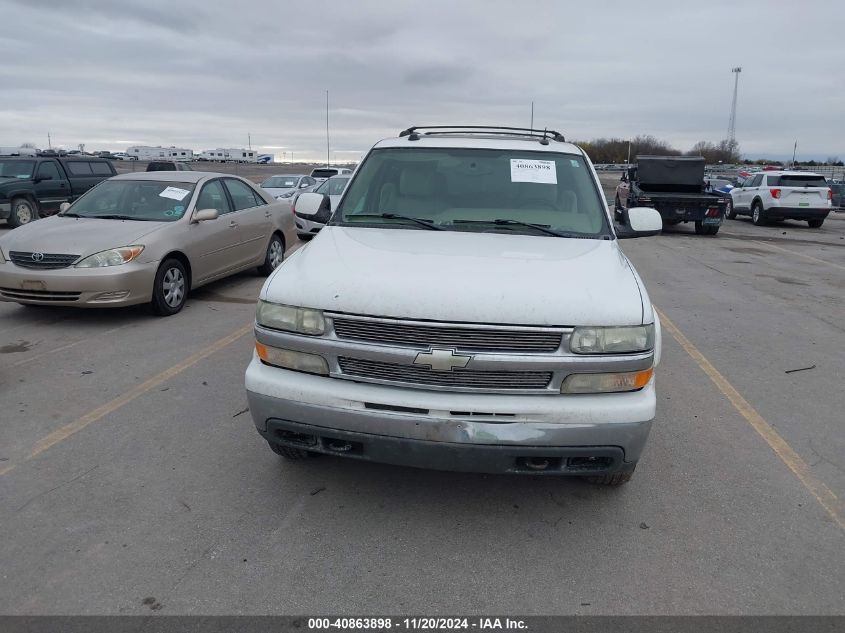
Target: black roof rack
524	132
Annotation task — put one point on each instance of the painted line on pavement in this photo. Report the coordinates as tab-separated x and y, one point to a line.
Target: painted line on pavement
66	431
824	495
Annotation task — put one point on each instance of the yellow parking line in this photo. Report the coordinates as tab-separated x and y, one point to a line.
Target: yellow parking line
113	405
824	495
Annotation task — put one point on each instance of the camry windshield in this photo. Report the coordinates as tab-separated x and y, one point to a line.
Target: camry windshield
144	200
279	182
333	186
479	190
16	169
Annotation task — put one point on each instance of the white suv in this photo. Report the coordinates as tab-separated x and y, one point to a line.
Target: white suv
467	307
782	195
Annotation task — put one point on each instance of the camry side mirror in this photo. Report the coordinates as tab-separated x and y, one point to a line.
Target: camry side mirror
203	215
642	222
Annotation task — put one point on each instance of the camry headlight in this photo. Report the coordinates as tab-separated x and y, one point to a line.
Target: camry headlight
111	257
290	318
612	340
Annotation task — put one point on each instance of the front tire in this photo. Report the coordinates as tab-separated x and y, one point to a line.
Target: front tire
23	212
170	288
758	216
815	223
273	257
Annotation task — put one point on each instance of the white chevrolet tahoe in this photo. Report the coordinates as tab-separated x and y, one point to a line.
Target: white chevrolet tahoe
466	308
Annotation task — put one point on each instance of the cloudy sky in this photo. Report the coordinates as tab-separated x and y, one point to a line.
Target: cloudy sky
205	74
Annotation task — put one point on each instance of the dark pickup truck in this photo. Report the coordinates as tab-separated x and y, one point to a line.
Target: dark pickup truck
674	185
31	188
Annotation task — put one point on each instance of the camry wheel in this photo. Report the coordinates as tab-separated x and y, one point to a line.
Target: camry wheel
23	212
274	256
170	289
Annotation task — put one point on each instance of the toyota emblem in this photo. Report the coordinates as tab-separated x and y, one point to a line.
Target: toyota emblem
37	257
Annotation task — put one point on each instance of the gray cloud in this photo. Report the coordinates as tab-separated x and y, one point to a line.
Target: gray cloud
202	74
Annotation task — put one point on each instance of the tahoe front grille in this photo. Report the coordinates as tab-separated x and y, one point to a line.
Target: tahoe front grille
478	338
460	378
41	261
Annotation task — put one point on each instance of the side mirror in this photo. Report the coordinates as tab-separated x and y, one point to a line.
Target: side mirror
642	222
314	206
64	206
203	215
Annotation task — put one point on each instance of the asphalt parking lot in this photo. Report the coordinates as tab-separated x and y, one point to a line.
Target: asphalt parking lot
132	480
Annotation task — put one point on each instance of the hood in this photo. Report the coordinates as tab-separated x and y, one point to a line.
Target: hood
79	236
465	277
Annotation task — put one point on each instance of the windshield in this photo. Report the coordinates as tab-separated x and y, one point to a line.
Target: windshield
323	173
280	182
145	200
16	169
333	186
796	180
477	190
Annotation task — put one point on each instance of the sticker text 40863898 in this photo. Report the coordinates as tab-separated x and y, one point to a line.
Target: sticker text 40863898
541	171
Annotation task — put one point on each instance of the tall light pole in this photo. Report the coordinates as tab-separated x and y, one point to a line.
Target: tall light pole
732	121
328	153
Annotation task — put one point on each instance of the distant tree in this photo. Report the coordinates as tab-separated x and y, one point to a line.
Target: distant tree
29	145
832	160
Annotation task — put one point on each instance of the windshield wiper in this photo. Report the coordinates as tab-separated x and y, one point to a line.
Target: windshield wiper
395	216
543	228
115	216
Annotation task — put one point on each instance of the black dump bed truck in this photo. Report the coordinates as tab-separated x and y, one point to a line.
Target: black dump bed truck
674	185
31	188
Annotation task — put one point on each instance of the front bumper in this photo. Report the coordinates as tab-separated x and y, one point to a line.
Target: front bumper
128	284
305	226
576	435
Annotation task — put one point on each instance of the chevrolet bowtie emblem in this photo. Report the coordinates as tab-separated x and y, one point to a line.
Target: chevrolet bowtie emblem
442	359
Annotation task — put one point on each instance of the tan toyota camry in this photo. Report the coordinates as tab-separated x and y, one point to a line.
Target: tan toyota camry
145	238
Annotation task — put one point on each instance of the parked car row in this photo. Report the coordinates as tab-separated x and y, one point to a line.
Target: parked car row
782	195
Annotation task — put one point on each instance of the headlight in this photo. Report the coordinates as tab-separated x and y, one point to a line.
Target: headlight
606	383
290	318
111	257
612	340
289	359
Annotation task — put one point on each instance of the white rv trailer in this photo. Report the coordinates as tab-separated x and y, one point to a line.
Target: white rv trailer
18	151
230	155
142	152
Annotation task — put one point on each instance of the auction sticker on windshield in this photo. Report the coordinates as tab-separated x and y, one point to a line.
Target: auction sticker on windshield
542	171
174	193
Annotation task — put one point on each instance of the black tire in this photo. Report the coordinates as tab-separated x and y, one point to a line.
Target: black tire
758	215
168	301
23	212
273	256
615	479
730	214
290	453
815	223
704	229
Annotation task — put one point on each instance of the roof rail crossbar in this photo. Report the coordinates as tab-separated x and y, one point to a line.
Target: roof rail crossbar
413	132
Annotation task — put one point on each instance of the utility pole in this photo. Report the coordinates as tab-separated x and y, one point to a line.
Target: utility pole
249	140
49	142
732	120
628	162
532	115
794	151
328	153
